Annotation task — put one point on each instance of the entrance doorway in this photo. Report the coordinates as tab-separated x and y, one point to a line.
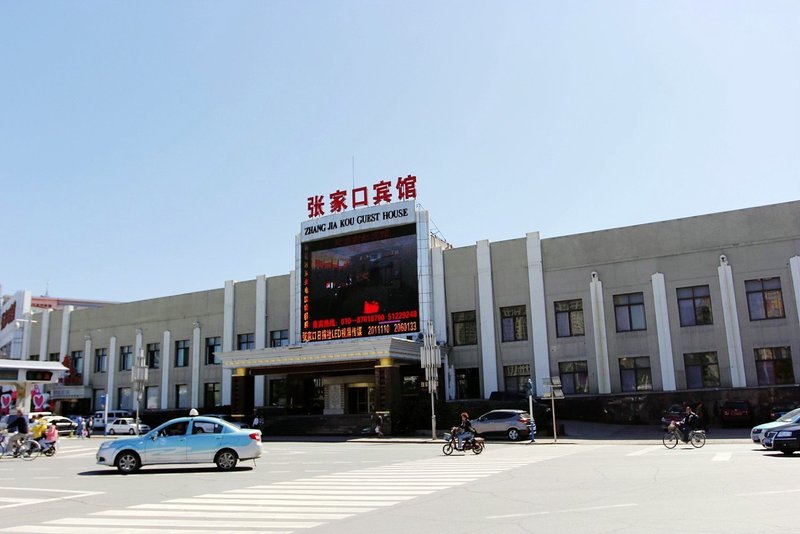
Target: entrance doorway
360	398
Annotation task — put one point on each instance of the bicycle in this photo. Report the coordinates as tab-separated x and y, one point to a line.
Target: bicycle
674	434
28	449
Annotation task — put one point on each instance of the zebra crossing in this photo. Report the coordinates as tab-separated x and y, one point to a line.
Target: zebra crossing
288	506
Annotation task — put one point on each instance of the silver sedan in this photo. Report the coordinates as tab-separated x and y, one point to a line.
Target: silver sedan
185	440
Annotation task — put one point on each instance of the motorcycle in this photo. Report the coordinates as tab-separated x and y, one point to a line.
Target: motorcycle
474	444
48	447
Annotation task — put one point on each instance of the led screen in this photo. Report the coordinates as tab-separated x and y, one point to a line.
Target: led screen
361	285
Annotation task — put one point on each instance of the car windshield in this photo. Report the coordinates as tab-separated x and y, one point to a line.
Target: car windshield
791	416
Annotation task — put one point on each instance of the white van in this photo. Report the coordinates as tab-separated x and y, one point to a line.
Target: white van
112	414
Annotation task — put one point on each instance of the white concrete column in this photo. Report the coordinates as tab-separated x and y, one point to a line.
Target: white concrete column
439	297
540	365
194	400
166	364
731	316
424	274
794	268
111	359
664	335
262	335
227	340
88	360
487	322
64	344
44	337
600	334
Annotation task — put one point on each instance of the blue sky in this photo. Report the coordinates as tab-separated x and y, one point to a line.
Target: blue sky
157	148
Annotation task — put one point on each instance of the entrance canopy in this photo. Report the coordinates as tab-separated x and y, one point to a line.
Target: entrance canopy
357	350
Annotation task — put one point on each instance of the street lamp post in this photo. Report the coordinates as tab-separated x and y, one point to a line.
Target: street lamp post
431	360
139	379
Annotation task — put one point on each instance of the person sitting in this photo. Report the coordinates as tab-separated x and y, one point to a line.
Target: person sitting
465	431
50	437
39	428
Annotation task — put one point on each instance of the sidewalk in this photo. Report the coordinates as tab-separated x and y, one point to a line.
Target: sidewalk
575	432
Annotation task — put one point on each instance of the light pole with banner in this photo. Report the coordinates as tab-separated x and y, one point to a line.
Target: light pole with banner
431	359
139	379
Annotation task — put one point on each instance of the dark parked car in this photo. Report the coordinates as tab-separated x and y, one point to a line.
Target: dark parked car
785	439
779	409
672	414
736	413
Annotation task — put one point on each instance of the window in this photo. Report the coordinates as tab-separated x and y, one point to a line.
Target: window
764	298
99	398
151	397
468	385
34	358
411	385
574	377
246	342
634	373
465	328
125	358
77	362
569	318
181	396
279	338
629	311
515	377
774	366
212	395
153	355
514	323
53	357
702	370
277	392
182	354
100	360
213	345
694	306
125	399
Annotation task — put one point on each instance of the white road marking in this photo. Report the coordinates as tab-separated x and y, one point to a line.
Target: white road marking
565	511
150	523
722	457
646	450
775	492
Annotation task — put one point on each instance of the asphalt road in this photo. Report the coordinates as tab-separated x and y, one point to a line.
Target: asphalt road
401	486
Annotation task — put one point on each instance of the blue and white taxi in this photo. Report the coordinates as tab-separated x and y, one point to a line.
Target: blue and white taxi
185	440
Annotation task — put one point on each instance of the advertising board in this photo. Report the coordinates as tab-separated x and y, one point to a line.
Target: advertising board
360	285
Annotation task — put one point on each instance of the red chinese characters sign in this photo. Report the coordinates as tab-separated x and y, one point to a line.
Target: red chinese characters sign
382	192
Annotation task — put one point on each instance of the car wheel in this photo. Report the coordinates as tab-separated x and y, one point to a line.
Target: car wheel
128	462
226	460
111	431
513	434
131	432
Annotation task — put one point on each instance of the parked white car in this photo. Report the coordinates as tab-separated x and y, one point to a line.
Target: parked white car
126	425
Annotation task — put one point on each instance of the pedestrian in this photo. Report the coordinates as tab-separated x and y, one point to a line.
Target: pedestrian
379	424
256	420
81	428
533	430
89	426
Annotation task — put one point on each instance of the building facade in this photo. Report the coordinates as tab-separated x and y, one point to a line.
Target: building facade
707	303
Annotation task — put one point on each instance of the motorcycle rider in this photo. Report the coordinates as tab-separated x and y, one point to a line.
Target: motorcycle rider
688	423
465	430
